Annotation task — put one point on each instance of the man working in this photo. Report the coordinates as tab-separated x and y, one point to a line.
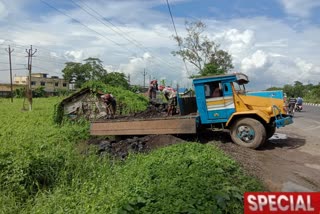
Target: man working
111	104
171	96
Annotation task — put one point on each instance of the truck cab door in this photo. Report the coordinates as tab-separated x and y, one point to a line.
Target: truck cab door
219	106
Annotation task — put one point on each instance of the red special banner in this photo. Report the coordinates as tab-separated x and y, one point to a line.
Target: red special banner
281	202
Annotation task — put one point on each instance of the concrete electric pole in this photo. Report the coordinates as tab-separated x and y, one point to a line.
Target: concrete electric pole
30	53
9	50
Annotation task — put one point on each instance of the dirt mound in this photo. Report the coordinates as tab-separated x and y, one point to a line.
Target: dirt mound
151	111
122	148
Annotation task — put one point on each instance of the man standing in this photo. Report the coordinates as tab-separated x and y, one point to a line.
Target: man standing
153	88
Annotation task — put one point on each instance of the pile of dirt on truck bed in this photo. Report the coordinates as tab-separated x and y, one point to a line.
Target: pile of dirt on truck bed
151	111
122	148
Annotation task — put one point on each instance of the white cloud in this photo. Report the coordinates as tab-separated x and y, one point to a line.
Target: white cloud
257	61
301	8
77	56
303	65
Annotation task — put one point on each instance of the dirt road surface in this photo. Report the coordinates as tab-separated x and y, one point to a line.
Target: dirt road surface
290	160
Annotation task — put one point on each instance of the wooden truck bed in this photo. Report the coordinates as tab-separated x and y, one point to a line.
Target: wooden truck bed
168	125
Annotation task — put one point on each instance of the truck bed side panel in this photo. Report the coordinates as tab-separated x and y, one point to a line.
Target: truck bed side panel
145	127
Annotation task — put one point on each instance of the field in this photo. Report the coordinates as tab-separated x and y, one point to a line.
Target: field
43	171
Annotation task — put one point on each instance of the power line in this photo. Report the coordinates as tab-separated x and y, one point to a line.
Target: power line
123	34
39	59
174	26
22	46
49	5
15	69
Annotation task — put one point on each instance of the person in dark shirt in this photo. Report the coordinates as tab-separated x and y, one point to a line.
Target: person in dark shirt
292	103
153	88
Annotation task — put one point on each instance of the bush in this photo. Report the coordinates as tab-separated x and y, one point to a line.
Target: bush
184	178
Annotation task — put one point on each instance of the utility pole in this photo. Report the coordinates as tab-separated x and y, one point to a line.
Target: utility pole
30	53
10	51
144	78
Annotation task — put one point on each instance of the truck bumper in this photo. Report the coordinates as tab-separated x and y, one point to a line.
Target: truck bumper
283	121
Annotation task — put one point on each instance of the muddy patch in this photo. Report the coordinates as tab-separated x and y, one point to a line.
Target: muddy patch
121	148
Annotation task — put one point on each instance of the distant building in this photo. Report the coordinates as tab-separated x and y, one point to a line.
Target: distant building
5	89
50	84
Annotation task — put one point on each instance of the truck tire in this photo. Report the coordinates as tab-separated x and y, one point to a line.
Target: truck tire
270	129
248	132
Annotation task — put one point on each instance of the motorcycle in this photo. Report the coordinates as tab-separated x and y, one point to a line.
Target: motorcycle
298	108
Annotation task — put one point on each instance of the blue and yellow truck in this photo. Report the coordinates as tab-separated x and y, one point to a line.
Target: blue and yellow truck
219	102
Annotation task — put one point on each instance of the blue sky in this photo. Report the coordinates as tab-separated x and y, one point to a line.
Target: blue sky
275	42
227	9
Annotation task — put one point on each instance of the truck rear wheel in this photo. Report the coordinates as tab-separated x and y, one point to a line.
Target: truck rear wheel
248	132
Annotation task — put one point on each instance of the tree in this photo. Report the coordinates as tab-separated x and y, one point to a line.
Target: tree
39	92
210	69
72	73
117	79
273	88
94	69
204	54
79	73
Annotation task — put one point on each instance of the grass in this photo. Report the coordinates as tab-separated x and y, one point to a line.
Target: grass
41	171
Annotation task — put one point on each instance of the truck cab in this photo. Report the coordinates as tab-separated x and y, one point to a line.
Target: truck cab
251	117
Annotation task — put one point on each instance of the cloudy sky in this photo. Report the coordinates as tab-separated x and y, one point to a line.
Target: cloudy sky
275	42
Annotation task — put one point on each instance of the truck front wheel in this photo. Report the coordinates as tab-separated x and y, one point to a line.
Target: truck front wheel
248	132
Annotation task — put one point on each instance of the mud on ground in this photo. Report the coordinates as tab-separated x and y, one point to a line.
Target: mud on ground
134	144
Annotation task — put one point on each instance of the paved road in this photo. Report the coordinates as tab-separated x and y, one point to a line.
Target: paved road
308	120
290	161
304	158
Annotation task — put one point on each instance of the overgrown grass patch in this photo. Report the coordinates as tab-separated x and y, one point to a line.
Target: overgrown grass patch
41	171
183	178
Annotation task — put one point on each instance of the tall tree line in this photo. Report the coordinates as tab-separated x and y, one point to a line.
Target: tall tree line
308	92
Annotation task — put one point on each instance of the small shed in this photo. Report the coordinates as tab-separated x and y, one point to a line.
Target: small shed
84	103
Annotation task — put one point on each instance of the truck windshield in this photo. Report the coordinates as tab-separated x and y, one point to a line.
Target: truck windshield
239	88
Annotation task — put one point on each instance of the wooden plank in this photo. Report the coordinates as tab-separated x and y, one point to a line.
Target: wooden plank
173	126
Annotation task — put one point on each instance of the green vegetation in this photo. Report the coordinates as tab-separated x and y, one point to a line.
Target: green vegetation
43	171
205	55
127	102
309	92
92	70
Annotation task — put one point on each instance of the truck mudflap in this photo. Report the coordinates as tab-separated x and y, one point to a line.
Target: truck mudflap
145	127
281	120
